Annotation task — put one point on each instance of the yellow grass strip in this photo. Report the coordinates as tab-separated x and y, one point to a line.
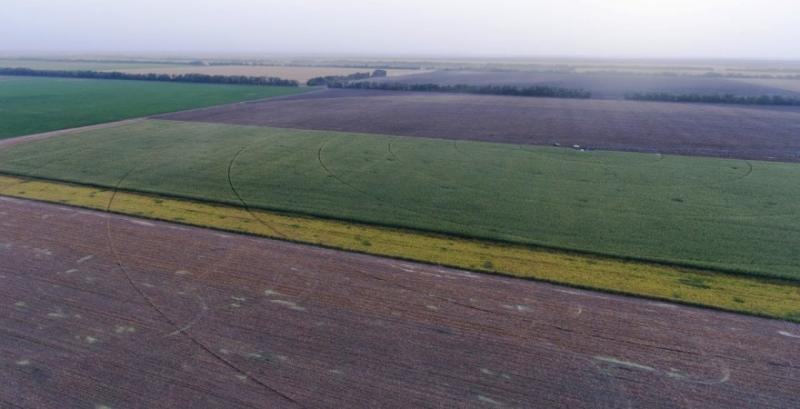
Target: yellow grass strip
729	292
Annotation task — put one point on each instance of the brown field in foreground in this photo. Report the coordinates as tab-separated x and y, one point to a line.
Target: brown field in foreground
99	310
689	129
301	74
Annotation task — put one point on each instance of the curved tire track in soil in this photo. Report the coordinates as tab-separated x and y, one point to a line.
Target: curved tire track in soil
178	329
249	210
391	205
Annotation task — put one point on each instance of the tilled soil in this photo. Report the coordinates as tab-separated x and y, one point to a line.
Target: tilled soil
7	143
689	129
105	311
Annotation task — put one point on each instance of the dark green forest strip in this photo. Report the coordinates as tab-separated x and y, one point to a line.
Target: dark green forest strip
774	100
512	90
116	75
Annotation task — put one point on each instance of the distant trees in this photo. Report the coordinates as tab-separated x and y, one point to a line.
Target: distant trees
715	98
327	80
714	74
529	91
114	75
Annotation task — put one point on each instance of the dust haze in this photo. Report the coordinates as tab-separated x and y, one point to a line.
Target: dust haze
764	29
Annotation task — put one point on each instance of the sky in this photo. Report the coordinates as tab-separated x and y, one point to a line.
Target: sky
760	29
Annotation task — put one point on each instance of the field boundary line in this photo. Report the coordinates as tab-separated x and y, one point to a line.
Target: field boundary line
175	325
8	142
773	298
530	244
5	143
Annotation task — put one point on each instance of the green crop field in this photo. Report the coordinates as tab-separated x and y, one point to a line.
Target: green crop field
725	214
31	105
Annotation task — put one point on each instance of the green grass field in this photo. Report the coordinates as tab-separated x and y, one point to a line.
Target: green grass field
715	213
31	105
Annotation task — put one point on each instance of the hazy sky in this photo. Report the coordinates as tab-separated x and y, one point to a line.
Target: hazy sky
621	28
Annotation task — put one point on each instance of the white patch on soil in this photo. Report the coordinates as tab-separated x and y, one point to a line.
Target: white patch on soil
489	400
38	253
627	364
289	304
124	329
788	334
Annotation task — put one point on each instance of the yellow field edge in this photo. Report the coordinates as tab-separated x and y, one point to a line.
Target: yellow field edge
755	296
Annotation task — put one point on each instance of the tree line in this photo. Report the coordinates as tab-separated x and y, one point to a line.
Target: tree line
715	98
327	80
755	76
529	91
115	75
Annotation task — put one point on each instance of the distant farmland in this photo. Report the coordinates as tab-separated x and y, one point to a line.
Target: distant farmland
76	65
609	85
30	105
705	130
300	74
725	214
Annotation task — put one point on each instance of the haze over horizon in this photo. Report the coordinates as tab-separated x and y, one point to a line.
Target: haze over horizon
587	28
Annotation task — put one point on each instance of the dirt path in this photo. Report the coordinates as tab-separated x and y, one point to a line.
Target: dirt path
110	311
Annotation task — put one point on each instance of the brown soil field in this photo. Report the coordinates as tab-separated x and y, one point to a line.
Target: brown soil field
301	74
107	311
602	85
687	129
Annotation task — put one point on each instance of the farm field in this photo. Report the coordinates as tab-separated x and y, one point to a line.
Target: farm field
723	214
301	74
236	322
685	129
788	85
31	105
695	287
602	85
